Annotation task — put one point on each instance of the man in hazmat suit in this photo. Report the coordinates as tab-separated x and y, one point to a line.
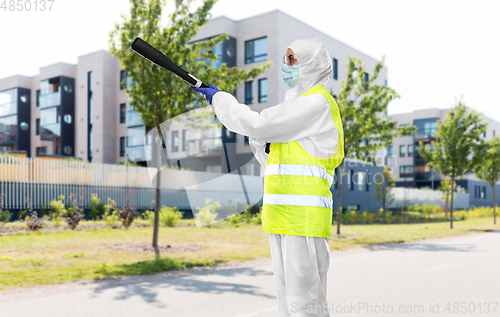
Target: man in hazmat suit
306	145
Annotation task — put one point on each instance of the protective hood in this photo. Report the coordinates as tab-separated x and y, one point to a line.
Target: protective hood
315	66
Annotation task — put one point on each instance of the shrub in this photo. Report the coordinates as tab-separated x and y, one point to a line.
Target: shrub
4	214
96	207
208	213
169	216
110	215
57	207
33	221
75	212
128	212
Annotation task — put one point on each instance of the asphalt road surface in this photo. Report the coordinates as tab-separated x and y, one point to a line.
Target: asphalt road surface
453	276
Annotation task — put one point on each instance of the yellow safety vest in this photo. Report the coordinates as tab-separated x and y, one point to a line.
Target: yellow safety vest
297	197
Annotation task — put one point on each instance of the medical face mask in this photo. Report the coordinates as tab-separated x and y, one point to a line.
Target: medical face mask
290	75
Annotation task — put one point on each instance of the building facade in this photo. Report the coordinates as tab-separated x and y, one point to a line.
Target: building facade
411	170
82	110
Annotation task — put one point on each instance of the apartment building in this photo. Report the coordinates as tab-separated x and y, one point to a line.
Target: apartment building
411	169
82	110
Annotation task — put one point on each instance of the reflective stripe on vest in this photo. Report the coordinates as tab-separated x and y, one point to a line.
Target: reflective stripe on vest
297	169
298	200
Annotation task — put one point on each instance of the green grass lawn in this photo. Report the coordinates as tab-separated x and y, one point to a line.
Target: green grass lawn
64	256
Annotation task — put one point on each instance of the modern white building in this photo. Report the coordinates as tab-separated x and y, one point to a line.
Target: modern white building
82	110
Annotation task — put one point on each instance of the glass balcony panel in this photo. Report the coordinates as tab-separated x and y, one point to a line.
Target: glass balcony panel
8	108
8	136
135	136
136	153
133	119
50	131
211	146
50	100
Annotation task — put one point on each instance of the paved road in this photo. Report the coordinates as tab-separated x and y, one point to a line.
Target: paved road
464	270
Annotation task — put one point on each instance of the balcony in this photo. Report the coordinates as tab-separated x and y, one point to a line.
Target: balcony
138	153
50	131
8	136
8	108
210	146
50	100
422	176
134	119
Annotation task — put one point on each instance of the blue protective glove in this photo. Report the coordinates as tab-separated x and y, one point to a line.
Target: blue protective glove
208	93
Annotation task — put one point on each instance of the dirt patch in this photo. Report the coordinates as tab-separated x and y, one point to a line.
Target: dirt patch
144	247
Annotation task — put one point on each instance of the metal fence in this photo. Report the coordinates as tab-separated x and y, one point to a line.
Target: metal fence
43	180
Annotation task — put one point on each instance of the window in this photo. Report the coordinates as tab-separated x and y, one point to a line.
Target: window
366	76
410	150
38	126
493	132
185	136
335	69
42	150
475	191
263	90
385	82
256	50
350	182
483	192
175	141
122	146
404	125
484	134
249	92
426	127
123	79
405	171
362	182
247	140
38	98
123	109
389	150
402	149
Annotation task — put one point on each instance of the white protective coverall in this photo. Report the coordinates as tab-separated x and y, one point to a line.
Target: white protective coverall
300	263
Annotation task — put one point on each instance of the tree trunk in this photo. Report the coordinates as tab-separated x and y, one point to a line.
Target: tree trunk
494	207
451	202
156	224
446	204
384	208
339	210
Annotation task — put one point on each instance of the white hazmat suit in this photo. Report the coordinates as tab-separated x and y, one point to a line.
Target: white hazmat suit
300	263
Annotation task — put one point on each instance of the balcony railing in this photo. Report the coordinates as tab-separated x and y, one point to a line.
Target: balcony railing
8	136
138	153
133	119
425	134
8	108
211	146
50	131
50	100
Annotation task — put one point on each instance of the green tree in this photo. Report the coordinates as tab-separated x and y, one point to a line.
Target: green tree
159	95
458	148
445	189
489	171
383	187
363	109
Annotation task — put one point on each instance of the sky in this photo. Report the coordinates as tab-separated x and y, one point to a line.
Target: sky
436	51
